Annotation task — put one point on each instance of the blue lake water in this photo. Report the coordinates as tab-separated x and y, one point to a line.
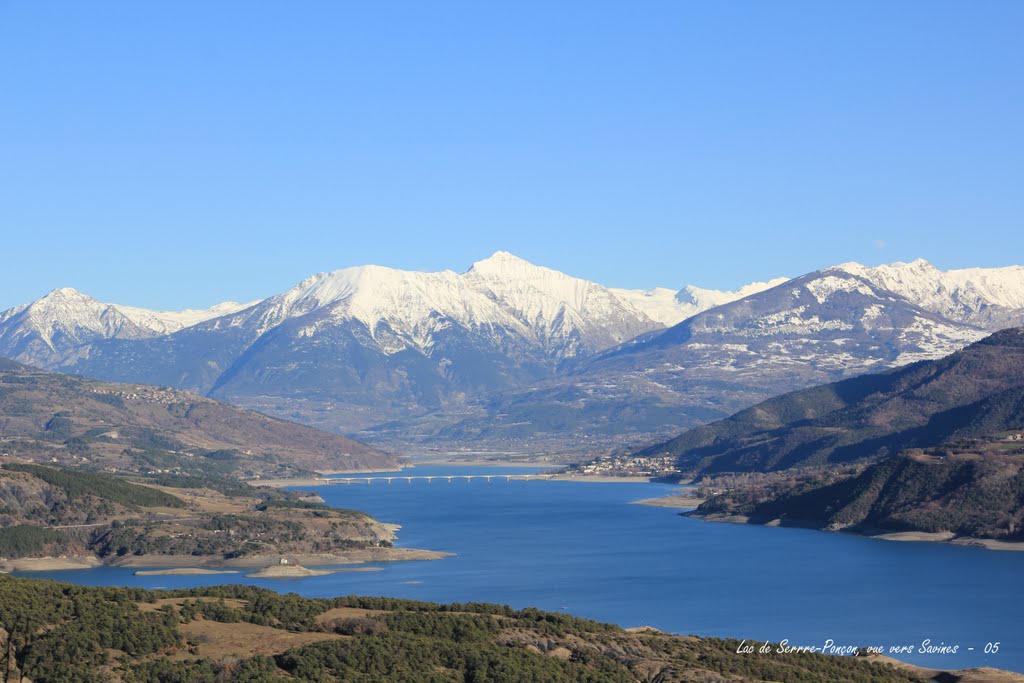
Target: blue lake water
582	548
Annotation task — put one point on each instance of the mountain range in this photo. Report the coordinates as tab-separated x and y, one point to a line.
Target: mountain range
971	393
827	325
509	351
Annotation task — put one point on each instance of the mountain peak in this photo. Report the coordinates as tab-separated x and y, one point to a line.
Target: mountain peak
501	261
855	268
65	294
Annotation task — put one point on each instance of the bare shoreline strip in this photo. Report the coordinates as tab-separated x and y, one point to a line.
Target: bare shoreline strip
192	564
333	481
183	571
897	536
672	501
49	564
288	571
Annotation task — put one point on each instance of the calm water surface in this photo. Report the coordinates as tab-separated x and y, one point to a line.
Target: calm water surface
582	548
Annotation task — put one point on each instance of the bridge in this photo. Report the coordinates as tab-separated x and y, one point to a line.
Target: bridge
429	478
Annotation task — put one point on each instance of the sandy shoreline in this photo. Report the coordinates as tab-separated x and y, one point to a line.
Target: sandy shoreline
600	479
191	564
48	564
331	481
350	557
287	571
183	571
895	536
675	501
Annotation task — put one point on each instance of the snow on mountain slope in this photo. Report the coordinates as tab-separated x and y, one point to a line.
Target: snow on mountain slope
671	307
42	332
381	342
166	322
819	327
988	297
360	346
556	305
555	312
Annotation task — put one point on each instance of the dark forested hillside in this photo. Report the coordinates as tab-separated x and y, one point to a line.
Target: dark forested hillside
971	393
976	494
59	633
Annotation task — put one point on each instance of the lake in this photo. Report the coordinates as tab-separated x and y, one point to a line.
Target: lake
580	547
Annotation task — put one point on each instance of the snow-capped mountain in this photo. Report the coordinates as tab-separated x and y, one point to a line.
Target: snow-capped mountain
404	310
670	307
510	350
166	322
382	342
992	298
44	332
823	326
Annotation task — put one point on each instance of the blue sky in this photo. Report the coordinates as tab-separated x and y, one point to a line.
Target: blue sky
179	153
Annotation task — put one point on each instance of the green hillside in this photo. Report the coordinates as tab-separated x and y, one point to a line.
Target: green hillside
60	633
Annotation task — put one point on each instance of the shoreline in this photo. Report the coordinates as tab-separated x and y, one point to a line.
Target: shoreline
540	476
183	571
601	479
944	537
157	565
674	501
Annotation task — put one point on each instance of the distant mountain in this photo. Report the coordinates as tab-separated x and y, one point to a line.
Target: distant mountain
670	307
510	354
970	393
361	345
46	331
72	421
991	298
824	326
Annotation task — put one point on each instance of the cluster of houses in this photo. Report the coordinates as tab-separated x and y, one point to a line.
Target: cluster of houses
150	394
626	465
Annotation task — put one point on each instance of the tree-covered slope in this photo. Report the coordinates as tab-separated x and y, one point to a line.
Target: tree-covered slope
977	494
59	633
47	512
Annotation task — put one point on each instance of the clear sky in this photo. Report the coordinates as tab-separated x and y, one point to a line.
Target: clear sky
176	153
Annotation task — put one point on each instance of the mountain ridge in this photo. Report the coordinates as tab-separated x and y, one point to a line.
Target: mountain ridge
813	329
966	394
447	358
75	421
